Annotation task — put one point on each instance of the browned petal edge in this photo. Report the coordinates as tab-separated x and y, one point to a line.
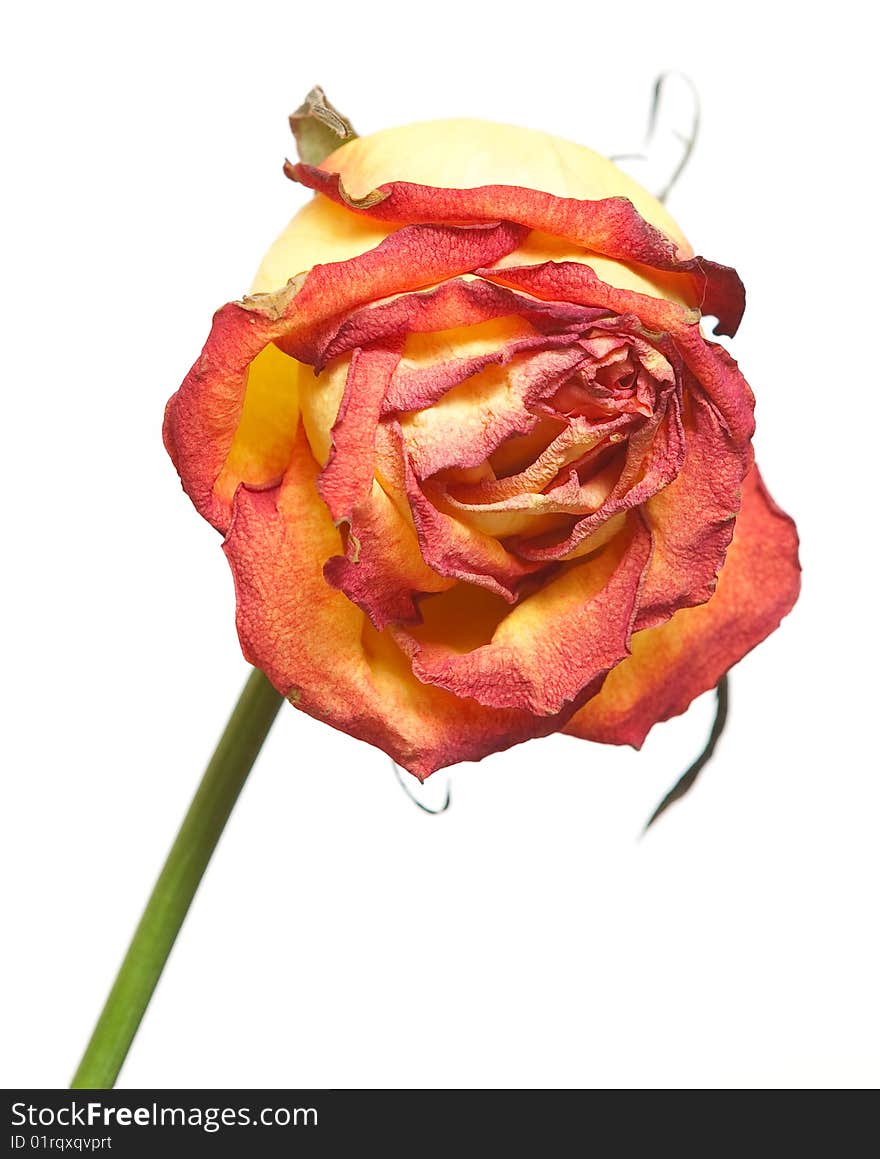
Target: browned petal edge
609	226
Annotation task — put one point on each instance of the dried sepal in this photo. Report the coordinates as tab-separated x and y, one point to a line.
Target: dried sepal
319	128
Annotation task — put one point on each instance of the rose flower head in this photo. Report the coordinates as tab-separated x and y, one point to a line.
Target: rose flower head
480	475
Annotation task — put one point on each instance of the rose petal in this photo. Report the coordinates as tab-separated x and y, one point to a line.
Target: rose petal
383	568
264	437
692	519
655	452
451	548
348	477
319	650
611	227
202	418
553	644
455	303
710	364
408	259
674	663
423	386
472	420
580	437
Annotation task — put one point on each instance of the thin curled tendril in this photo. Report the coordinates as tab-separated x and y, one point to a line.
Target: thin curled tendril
671	134
686	780
411	792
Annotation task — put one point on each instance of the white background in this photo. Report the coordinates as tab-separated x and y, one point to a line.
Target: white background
343	938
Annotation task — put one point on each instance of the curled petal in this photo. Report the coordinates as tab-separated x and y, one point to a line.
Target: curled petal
579	438
421	387
202	418
320	651
383	569
348	477
474	418
677	661
409	259
552	645
455	303
655	452
611	226
452	548
692	519
691	516
709	363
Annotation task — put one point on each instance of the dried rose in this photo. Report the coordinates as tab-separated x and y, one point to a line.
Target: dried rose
477	468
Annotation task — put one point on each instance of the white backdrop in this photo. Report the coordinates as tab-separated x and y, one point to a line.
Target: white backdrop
343	938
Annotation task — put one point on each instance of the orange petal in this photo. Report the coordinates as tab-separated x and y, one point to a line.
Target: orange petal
692	520
553	644
610	226
674	663
655	451
320	651
383	569
453	548
203	417
710	364
348	477
456	303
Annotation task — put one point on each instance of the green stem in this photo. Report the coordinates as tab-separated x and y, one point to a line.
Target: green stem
170	900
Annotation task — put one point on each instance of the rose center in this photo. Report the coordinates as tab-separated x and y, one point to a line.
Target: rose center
599	390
